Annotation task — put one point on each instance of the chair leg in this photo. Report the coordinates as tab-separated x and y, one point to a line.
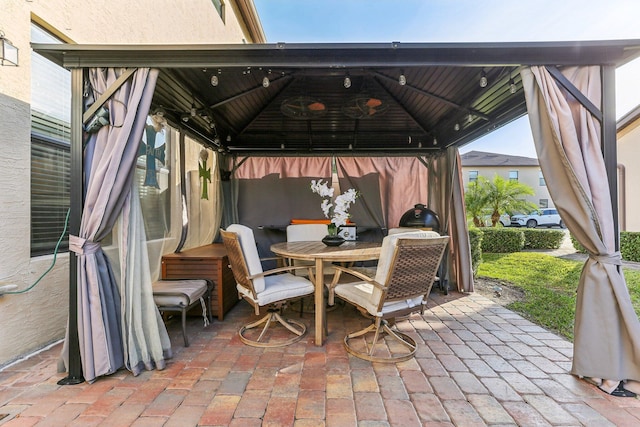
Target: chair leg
297	328
184	327
378	328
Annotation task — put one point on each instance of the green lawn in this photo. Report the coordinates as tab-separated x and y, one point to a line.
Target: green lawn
549	284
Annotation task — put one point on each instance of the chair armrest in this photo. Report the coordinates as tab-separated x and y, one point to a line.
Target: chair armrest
281	270
355	273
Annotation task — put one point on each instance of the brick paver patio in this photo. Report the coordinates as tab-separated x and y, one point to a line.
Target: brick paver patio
477	364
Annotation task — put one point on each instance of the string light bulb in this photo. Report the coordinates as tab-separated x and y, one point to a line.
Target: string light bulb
402	80
512	86
347	81
214	80
456	127
265	81
483	79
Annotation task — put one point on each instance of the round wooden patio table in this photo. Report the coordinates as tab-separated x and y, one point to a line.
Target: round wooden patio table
319	253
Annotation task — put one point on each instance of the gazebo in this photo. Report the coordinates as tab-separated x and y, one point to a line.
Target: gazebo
277	114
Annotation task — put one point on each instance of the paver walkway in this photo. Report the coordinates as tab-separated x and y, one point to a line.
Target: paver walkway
477	364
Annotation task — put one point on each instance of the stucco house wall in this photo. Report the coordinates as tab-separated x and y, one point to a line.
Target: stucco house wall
629	171
31	320
489	164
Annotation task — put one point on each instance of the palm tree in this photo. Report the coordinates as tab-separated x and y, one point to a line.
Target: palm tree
475	200
503	195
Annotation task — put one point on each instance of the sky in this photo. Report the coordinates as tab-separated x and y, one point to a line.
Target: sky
426	21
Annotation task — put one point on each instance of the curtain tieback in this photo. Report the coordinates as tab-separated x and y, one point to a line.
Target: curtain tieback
614	258
82	246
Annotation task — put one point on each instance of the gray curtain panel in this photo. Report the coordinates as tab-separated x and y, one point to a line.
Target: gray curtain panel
110	159
568	143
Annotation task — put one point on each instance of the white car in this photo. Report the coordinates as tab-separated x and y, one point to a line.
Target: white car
544	217
504	220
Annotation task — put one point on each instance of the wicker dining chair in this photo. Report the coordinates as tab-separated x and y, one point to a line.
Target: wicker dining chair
271	289
406	272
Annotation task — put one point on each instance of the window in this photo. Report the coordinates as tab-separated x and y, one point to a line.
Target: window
50	137
543	203
473	176
219	5
541	179
513	176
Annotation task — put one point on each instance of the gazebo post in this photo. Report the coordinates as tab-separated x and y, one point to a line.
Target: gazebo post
75	205
609	142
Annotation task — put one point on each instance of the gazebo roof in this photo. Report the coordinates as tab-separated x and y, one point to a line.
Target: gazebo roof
289	99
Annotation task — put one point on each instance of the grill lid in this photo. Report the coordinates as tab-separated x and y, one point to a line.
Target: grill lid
420	217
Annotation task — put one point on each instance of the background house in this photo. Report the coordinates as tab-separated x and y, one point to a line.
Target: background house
34	137
628	134
525	170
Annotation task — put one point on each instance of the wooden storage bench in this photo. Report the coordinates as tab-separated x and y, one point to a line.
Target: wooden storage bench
205	262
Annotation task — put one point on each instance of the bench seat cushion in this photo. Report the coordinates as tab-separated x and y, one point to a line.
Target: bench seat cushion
178	293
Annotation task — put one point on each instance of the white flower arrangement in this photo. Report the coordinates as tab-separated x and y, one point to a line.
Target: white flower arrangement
338	211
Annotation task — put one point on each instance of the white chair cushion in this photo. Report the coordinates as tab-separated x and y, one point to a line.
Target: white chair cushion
310	233
250	251
361	294
386	255
280	287
306	232
411	229
178	293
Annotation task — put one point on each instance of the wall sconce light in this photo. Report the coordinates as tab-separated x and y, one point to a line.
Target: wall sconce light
8	52
347	81
483	79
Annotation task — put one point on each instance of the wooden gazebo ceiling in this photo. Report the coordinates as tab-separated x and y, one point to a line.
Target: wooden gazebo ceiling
306	108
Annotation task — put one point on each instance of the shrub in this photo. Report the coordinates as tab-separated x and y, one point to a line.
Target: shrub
475	240
630	246
578	247
502	240
542	239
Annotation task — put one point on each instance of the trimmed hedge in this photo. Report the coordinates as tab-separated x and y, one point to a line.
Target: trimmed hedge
578	247
542	239
475	241
629	245
502	240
